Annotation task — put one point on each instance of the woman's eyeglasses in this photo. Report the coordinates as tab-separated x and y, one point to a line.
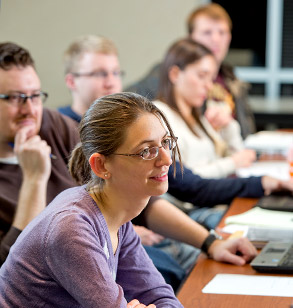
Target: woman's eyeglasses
151	153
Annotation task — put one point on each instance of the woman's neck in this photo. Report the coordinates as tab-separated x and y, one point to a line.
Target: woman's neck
118	209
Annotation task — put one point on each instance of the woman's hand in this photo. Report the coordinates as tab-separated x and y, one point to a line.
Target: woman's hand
147	236
136	304
218	116
244	158
270	184
237	251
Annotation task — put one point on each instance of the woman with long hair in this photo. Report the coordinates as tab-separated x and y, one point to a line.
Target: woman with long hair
186	76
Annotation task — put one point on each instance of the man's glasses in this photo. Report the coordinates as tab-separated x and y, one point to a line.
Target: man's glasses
100	74
19	99
151	153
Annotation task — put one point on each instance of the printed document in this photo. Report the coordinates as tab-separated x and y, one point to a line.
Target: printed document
250	285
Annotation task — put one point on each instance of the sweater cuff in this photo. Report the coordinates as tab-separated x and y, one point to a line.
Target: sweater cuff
254	187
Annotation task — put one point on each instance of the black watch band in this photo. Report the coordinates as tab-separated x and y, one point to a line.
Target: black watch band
209	241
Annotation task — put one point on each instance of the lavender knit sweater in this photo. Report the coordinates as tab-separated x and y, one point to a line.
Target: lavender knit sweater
64	258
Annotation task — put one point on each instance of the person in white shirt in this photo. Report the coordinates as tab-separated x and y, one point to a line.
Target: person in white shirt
187	75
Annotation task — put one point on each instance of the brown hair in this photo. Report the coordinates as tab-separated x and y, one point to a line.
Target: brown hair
84	44
12	54
213	11
103	128
181	54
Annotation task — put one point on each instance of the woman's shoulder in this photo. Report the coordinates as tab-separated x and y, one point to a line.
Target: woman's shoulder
171	114
163	106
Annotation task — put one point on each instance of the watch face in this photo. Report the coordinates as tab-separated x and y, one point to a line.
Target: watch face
218	236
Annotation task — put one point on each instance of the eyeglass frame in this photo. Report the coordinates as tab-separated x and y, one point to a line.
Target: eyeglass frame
24	97
174	139
98	74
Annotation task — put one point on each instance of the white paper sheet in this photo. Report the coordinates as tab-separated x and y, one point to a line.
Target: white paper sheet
232	228
261	217
250	285
256	233
277	169
270	141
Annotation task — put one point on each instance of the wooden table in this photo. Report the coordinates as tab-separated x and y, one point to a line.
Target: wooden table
191	296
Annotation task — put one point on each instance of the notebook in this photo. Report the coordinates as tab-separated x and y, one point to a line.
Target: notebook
280	202
275	257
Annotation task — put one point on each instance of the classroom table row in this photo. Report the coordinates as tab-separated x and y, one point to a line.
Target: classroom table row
191	295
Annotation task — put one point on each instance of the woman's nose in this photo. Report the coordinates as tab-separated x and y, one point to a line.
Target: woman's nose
164	157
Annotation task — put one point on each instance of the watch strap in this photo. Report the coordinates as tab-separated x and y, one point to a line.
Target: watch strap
208	242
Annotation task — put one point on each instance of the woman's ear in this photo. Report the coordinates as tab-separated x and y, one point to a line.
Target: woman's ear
97	163
174	73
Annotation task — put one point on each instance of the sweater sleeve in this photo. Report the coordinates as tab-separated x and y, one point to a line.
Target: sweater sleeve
189	187
139	277
219	168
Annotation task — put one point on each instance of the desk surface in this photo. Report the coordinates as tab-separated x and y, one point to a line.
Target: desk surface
191	296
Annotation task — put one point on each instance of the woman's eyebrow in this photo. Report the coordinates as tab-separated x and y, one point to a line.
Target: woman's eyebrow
149	141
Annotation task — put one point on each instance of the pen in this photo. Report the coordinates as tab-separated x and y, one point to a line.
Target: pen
51	155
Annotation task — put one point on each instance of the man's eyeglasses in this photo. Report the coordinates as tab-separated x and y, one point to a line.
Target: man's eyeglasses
151	153
19	99
100	74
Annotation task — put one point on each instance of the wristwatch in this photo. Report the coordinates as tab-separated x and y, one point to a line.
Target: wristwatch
213	235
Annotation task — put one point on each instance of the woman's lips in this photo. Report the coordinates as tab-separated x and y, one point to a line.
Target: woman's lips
161	177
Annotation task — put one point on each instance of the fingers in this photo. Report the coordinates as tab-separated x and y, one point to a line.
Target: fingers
157	238
287	185
234	259
244	248
133	303
217	118
33	146
22	142
237	251
151	239
249	155
33	155
21	137
136	304
147	236
270	184
244	158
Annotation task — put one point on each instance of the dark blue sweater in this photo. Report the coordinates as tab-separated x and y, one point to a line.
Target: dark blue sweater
189	187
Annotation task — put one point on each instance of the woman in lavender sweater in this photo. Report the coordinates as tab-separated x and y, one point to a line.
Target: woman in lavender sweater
82	251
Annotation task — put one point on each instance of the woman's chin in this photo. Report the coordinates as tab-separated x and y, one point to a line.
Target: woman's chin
161	190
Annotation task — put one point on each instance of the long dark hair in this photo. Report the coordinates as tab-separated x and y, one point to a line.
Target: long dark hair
181	54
